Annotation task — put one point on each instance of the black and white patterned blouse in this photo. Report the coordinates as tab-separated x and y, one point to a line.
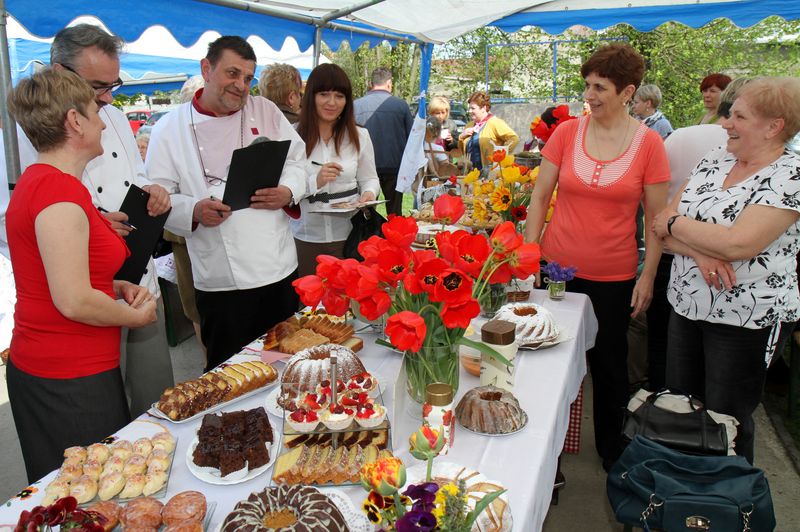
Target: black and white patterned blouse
766	291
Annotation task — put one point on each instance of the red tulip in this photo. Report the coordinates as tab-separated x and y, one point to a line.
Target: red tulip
328	267
400	230
501	274
335	302
448	209
453	286
505	238
374	305
447	244
524	260
425	276
370	248
498	155
458	315
310	289
471	253
363	281
406	330
393	264
453	179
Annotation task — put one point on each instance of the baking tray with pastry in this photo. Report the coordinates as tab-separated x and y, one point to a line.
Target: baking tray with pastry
187	510
116	469
238	378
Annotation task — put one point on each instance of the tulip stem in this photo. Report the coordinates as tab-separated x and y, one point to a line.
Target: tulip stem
398	506
429	470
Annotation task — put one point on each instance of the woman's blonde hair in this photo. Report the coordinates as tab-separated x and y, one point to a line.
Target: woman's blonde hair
41	102
278	81
437	104
776	97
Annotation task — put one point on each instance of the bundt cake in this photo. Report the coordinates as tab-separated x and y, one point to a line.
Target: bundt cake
287	508
534	323
490	410
311	366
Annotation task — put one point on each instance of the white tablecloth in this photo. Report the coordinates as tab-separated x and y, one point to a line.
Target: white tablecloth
547	381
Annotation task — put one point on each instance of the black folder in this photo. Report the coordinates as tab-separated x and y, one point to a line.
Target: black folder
257	166
142	241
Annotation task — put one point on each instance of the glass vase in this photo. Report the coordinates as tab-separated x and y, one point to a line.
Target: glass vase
431	364
556	289
493	297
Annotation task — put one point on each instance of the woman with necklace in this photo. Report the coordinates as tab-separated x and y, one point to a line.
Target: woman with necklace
604	164
341	165
735	233
485	133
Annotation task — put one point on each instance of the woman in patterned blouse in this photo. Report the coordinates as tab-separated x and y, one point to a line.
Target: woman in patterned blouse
735	233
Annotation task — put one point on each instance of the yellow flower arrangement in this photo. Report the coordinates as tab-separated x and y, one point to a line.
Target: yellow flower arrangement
479	210
511	175
440	503
501	199
486	188
472	177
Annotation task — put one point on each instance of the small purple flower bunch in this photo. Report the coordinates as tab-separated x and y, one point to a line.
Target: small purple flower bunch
420	517
556	273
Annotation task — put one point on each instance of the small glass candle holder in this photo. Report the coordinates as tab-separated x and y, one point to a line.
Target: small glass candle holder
556	289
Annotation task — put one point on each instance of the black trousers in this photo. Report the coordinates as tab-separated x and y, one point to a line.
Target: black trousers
231	319
657	323
394	199
724	366
608	359
53	414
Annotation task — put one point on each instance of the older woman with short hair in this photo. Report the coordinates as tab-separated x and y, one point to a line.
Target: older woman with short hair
735	233
282	85
64	382
605	164
485	133
645	106
711	87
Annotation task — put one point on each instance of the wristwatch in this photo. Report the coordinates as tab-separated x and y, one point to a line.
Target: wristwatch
671	221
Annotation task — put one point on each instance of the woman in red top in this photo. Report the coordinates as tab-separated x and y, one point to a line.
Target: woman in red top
63	375
605	164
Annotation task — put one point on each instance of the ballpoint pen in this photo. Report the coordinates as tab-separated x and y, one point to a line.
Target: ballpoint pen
126	224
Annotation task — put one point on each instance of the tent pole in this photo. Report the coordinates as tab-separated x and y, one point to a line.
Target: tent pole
11	145
317	45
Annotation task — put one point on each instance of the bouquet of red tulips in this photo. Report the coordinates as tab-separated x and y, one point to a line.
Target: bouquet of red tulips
430	295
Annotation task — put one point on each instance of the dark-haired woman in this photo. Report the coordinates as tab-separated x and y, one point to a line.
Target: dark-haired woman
605	164
341	165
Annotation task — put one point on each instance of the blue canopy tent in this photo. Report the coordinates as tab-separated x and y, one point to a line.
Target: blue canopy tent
312	21
142	73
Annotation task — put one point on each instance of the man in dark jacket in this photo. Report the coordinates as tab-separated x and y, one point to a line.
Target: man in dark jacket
388	120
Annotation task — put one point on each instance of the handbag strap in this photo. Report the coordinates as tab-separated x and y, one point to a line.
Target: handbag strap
653	397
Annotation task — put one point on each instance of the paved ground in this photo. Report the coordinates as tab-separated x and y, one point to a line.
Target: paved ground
582	503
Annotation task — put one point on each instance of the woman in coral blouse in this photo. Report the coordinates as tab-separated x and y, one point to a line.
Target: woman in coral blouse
64	382
605	164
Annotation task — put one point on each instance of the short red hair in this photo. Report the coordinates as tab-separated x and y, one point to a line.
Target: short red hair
715	80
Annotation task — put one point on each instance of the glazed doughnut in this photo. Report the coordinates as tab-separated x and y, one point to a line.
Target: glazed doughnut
142	512
185	506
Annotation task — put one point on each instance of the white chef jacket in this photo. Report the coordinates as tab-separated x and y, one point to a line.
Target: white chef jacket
109	176
358	171
254	247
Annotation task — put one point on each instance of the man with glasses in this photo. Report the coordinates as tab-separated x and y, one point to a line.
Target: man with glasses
93	54
243	262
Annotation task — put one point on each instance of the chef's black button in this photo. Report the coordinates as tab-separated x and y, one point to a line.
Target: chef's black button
114	154
127	184
99	190
145	271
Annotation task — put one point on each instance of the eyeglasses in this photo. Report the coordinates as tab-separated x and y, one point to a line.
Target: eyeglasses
99	88
724	110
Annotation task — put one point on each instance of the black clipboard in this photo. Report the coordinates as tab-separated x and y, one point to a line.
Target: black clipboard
142	241
257	166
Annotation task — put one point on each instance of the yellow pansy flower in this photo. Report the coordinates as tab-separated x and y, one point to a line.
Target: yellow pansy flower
479	211
501	199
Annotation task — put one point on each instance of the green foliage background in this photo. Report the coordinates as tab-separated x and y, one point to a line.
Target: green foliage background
677	59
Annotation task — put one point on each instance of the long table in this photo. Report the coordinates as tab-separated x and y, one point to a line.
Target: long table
547	381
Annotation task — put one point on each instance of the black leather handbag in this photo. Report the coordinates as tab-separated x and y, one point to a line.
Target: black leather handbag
695	432
366	223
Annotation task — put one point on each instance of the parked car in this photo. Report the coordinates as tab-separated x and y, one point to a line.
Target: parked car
148	126
137	119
